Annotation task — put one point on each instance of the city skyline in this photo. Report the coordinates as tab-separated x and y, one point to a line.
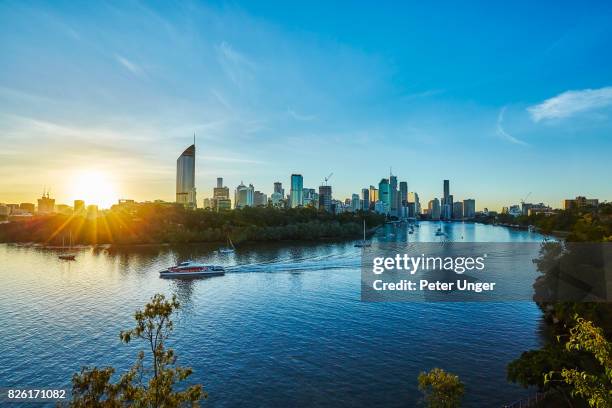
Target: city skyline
271	92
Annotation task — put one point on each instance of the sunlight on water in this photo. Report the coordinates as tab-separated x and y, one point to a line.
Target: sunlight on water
283	327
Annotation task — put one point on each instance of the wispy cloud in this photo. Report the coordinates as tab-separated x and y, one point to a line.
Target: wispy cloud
236	65
569	103
129	65
300	117
502	132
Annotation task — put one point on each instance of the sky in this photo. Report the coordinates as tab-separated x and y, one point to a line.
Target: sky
98	99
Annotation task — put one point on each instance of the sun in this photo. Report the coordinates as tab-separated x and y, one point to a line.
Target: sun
94	187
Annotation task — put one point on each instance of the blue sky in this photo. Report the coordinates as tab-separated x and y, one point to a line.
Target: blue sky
502	99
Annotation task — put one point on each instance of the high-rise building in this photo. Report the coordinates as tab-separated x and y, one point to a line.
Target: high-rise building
434	209
260	199
296	193
373	195
365	199
311	198
325	198
393	196
79	206
185	178
278	188
384	193
244	196
469	208
403	190
46	205
446	202
458	210
220	191
355	202
414	198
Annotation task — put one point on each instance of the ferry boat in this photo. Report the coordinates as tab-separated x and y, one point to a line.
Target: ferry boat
191	269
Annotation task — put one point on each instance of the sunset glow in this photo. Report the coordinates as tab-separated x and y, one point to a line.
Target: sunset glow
94	187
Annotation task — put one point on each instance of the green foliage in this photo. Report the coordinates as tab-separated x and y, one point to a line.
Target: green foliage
595	386
165	223
143	385
441	389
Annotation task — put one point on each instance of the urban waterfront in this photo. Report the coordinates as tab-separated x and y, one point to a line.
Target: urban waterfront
284	327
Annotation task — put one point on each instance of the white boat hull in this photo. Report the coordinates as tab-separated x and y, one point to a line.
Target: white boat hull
168	274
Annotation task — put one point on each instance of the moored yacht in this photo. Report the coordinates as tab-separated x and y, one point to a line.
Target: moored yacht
191	269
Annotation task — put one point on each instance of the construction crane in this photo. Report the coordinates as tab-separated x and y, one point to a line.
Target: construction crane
526	197
328	177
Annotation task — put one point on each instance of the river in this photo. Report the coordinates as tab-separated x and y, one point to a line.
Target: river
284	327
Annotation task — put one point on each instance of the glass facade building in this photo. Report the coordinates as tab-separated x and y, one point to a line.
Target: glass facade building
296	195
185	178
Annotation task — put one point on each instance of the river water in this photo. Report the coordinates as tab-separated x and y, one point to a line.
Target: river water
284	327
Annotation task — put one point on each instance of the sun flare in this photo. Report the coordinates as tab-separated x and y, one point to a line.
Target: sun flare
94	187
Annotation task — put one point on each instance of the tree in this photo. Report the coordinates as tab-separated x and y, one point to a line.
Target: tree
596	385
441	389
143	385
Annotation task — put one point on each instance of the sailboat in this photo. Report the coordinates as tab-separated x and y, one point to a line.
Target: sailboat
363	243
230	248
67	256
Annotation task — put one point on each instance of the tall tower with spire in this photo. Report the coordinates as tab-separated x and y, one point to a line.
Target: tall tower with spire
185	177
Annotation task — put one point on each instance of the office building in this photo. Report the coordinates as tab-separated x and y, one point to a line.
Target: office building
325	198
580	201
469	208
373	196
403	193
458	210
260	199
414	198
278	188
355	203
434	209
46	205
393	196
296	193
365	199
220	191
384	194
185	178
244	196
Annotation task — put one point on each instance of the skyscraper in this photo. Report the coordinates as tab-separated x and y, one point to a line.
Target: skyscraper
355	202
278	188
325	198
393	196
469	208
434	209
447	202
297	191
384	194
373	196
365	199
244	196
185	178
403	190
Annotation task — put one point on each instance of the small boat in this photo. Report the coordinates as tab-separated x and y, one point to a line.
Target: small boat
190	269
67	256
531	228
439	232
363	243
230	248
